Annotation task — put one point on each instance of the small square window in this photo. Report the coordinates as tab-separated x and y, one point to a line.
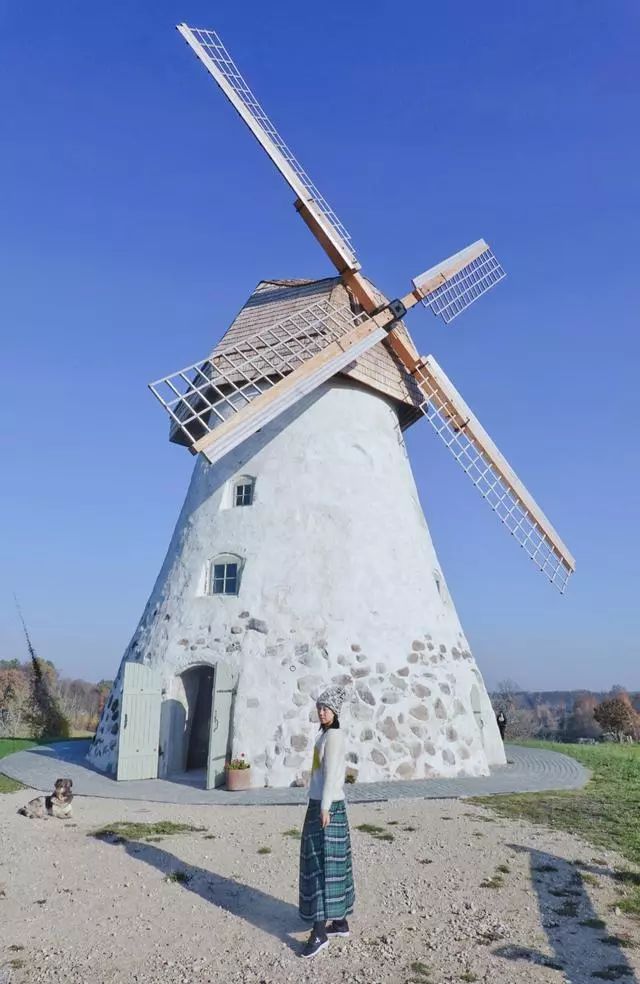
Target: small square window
243	494
225	579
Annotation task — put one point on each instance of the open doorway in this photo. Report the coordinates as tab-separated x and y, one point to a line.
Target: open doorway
195	725
198	687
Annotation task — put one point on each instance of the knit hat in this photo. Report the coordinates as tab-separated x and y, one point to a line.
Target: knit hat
333	698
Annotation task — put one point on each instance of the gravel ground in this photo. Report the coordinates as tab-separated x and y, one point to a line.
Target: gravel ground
75	909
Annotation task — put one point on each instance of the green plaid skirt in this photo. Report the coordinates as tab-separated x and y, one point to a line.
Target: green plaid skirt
326	875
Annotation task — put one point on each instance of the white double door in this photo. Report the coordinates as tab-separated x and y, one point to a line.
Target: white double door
139	729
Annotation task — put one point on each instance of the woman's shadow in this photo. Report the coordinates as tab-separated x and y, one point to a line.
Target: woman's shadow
266	912
582	946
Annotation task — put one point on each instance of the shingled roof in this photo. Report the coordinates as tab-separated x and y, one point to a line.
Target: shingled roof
379	368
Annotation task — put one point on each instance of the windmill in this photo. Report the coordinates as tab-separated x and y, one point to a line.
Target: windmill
301	554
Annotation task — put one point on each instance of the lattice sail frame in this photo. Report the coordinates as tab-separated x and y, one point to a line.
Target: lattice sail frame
217	60
492	475
239	408
451	286
286	361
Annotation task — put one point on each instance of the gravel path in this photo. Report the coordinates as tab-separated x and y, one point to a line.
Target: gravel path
74	909
528	770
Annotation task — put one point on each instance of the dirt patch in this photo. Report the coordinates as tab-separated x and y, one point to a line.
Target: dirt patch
215	900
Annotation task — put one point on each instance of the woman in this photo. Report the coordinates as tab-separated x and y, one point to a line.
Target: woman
326	877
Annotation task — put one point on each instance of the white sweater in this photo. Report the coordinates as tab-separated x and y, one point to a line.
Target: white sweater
327	773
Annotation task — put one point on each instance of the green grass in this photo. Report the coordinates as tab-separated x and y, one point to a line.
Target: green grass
420	969
8	785
123	830
468	976
10	745
568	909
588	879
378	832
264	850
613	972
181	877
292	832
7	747
495	882
623	941
605	813
631	904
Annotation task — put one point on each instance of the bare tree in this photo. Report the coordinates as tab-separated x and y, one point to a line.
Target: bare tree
521	722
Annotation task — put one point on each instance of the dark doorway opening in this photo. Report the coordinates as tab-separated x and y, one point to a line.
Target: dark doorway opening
198	685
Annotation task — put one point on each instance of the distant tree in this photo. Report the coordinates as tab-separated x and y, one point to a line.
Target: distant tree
521	722
546	722
505	694
46	718
618	716
15	702
9	664
581	722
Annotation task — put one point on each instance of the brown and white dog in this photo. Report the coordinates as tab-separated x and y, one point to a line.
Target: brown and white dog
57	805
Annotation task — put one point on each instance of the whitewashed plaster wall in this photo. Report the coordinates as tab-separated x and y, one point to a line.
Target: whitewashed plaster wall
340	583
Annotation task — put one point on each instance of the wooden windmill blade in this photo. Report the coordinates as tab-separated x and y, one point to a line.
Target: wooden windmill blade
313	207
492	475
219	402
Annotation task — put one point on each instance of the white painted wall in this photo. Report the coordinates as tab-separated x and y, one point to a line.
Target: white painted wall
338	585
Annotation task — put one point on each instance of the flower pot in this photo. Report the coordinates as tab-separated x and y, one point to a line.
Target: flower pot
238	779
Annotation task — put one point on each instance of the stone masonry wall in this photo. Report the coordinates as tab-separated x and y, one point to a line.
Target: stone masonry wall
339	583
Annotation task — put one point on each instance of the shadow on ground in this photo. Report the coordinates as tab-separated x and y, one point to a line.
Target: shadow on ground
582	947
266	912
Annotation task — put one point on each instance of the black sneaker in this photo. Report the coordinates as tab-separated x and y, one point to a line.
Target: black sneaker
314	944
339	927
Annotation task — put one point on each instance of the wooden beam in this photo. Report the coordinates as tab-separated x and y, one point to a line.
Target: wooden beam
365	295
362	291
337	258
436	276
292	386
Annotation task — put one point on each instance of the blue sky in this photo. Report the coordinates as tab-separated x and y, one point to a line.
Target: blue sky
138	214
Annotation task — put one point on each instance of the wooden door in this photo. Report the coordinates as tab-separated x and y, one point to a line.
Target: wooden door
139	732
220	734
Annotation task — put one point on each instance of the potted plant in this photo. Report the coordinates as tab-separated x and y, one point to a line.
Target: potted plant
238	772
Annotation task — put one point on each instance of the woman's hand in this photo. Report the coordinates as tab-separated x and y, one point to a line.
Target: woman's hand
325	817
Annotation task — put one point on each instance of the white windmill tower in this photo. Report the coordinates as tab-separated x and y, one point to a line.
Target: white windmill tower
301	555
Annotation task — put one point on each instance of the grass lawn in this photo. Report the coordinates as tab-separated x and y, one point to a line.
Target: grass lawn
606	812
7	747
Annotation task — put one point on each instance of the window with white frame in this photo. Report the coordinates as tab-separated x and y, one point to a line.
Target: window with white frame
224	575
243	492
